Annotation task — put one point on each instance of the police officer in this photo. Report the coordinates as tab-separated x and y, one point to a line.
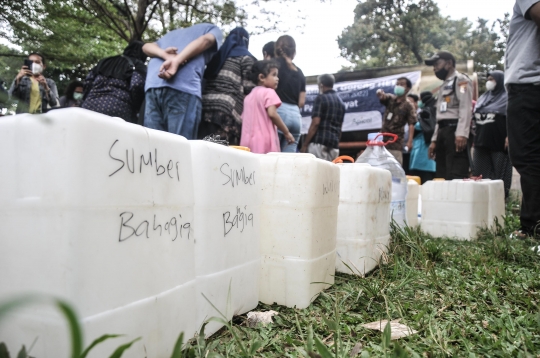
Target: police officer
454	114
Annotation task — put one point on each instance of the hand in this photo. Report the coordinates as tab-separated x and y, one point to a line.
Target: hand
380	93
431	150
170	54
168	69
290	138
23	72
506	144
410	145
461	143
303	149
41	80
171	50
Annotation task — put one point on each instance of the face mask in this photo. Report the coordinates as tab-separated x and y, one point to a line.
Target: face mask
399	91
421	104
441	74
37	68
490	85
77	96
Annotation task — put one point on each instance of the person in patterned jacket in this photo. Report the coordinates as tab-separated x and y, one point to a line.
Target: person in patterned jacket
115	86
227	83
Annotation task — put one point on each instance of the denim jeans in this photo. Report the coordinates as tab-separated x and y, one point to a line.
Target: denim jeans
290	113
173	111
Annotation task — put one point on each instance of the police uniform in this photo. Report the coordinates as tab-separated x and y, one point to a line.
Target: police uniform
454	115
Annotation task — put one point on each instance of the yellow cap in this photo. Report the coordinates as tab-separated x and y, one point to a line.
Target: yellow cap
415	178
240	148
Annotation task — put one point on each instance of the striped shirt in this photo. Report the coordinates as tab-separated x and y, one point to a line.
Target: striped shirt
331	110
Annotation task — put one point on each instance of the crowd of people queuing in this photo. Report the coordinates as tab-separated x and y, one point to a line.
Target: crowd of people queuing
197	85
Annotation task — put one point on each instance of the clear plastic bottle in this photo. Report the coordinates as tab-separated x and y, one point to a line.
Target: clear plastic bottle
378	156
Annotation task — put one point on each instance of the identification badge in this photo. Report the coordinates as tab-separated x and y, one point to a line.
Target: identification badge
443	107
463	86
389	116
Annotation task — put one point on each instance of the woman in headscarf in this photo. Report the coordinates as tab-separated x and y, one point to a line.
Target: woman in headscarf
115	87
227	83
490	158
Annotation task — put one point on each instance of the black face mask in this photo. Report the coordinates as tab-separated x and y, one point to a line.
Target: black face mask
441	74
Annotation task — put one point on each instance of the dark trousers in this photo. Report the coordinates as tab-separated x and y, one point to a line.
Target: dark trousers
424	176
523	124
450	164
406	163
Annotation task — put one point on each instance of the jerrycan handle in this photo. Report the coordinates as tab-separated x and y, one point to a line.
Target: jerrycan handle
374	142
340	159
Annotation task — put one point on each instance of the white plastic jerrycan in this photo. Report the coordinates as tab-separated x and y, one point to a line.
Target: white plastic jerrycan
377	156
363	232
300	197
455	209
496	207
99	212
227	235
413	193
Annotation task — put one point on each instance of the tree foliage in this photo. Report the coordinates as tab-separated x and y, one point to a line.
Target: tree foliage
403	32
74	34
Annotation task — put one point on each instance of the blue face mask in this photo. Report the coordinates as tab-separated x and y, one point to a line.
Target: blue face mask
399	91
421	104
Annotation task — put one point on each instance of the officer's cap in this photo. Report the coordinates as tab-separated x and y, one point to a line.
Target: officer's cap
445	55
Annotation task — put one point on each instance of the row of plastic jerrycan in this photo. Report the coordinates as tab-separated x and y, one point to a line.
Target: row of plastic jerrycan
130	225
133	226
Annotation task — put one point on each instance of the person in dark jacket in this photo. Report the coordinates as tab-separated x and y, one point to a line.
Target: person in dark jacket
490	156
34	92
115	86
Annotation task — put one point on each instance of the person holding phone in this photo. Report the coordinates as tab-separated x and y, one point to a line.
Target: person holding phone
34	92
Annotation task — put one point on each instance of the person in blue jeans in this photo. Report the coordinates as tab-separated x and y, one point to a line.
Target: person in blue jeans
173	81
291	91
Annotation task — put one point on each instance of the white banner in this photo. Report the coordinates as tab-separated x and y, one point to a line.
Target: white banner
363	109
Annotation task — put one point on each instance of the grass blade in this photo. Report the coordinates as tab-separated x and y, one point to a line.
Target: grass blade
65	308
98	341
74	327
177	351
322	349
120	350
22	353
4	353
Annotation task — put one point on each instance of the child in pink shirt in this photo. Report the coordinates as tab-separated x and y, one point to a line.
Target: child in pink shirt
260	117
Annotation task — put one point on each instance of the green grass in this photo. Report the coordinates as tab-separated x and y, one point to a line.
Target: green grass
465	298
